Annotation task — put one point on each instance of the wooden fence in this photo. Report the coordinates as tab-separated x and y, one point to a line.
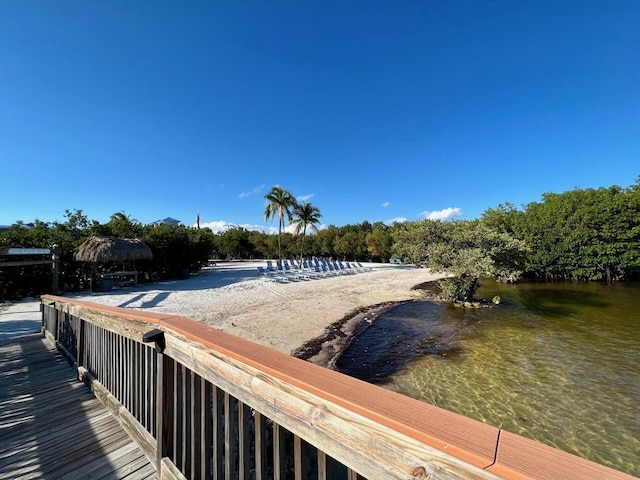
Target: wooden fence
203	404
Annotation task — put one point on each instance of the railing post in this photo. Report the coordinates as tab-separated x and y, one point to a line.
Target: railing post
164	398
80	343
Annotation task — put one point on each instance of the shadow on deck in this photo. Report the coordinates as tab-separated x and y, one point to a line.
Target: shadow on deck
52	426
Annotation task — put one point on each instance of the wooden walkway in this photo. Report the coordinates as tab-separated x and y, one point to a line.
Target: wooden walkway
51	425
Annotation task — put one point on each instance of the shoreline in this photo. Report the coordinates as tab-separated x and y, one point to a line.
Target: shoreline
326	349
295	318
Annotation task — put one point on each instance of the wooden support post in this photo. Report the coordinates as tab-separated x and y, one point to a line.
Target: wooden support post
81	343
165	409
56	261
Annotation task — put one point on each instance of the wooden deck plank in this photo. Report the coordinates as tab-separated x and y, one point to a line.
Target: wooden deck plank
132	466
52	426
48	438
111	463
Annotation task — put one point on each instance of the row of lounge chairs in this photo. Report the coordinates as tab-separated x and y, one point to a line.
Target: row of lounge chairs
284	271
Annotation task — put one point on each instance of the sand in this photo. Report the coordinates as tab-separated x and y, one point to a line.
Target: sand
233	298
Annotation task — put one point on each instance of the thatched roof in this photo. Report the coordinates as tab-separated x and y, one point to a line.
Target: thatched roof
112	249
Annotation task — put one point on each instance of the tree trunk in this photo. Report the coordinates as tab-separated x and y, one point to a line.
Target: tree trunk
302	248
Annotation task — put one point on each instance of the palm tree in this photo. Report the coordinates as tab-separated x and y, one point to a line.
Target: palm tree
305	215
280	202
122	225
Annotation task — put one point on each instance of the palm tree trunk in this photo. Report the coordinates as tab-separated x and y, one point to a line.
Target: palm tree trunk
279	234
304	232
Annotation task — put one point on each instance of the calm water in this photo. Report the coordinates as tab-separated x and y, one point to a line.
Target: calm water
557	363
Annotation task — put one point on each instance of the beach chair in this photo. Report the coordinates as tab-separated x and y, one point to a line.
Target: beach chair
346	268
352	267
270	267
303	269
296	272
329	272
309	267
339	268
363	268
289	275
270	276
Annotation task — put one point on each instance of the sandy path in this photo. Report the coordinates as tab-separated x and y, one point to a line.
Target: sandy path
283	316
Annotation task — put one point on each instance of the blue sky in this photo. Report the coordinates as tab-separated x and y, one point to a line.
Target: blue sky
369	110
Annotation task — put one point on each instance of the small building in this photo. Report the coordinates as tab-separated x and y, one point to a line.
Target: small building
169	221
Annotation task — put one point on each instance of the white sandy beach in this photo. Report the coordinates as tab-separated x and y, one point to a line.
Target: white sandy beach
231	297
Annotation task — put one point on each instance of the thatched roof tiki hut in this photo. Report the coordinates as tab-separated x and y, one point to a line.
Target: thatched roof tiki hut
111	249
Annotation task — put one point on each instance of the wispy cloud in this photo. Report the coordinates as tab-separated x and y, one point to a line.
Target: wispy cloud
386	204
445	214
255	191
304	198
396	220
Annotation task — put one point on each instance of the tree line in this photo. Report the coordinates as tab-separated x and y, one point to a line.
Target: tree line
579	235
582	234
174	248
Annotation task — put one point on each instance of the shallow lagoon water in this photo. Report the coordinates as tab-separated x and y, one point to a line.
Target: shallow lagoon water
555	362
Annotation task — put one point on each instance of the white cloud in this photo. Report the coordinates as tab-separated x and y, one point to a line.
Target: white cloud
445	214
252	192
386	204
396	220
222	226
304	198
217	226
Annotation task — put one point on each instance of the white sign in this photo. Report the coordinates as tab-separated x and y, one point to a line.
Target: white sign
28	251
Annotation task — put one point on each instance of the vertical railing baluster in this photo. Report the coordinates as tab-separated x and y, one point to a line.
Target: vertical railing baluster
244	448
165	409
135	376
154	398
107	357
230	424
177	425
261	445
299	458
112	361
206	432
218	433
82	361
196	425
322	465
120	371
117	372
184	414
279	471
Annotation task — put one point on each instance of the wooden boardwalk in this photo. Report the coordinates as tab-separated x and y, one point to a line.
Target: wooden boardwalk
51	425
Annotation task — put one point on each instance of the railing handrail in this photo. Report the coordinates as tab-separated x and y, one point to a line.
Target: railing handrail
436	440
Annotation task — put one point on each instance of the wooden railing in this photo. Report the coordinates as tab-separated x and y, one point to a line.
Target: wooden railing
203	404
